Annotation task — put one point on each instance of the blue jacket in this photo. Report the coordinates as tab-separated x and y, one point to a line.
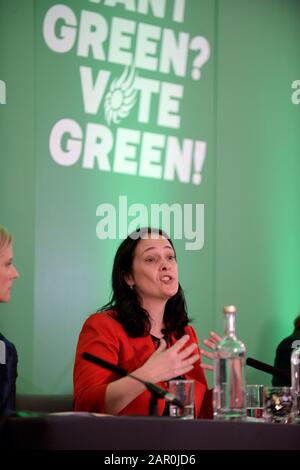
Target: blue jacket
8	375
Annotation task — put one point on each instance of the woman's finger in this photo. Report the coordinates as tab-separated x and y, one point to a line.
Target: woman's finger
180	343
187	365
207	366
162	345
215	336
210	344
209	355
186	352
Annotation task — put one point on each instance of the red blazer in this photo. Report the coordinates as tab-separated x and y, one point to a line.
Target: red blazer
103	336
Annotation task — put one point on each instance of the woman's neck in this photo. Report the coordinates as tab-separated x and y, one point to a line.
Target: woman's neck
156	312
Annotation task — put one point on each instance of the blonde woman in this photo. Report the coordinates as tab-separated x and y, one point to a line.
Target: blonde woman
8	353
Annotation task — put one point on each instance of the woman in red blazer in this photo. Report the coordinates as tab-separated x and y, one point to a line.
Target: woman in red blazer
143	329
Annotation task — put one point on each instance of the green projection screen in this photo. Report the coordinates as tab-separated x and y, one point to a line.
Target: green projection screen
118	114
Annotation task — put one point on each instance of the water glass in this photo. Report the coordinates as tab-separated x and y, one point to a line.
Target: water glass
255	402
278	402
183	390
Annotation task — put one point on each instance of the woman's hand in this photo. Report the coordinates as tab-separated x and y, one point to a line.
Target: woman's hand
164	364
211	343
167	363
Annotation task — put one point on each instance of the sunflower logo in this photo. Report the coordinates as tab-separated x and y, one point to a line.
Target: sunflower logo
121	97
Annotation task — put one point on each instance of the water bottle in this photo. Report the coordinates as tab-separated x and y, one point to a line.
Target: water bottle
229	373
295	382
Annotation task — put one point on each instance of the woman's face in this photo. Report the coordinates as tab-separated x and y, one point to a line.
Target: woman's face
154	270
7	272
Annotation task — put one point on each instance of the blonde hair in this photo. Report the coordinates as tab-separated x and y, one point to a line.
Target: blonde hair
5	238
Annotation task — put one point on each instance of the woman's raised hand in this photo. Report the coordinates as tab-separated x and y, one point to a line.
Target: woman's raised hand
167	363
210	343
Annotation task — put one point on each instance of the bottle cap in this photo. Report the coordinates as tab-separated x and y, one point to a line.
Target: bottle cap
229	309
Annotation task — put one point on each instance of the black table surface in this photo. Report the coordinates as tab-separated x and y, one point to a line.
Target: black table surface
84	431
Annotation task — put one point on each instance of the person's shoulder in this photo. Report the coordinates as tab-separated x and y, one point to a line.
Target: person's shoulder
8	343
189	330
105	324
9	350
295	339
296	335
286	343
2	338
102	318
289	338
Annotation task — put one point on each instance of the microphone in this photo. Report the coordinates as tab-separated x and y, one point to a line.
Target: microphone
154	389
267	368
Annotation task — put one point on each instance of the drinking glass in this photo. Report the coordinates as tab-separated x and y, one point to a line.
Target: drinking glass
183	390
255	402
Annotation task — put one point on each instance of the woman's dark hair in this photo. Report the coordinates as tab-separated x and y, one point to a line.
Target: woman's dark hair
124	300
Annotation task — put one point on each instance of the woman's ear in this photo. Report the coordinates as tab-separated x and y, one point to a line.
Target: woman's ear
129	280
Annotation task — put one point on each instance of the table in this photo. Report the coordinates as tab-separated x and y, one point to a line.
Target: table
84	431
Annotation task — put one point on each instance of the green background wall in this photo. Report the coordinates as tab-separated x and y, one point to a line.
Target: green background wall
241	107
